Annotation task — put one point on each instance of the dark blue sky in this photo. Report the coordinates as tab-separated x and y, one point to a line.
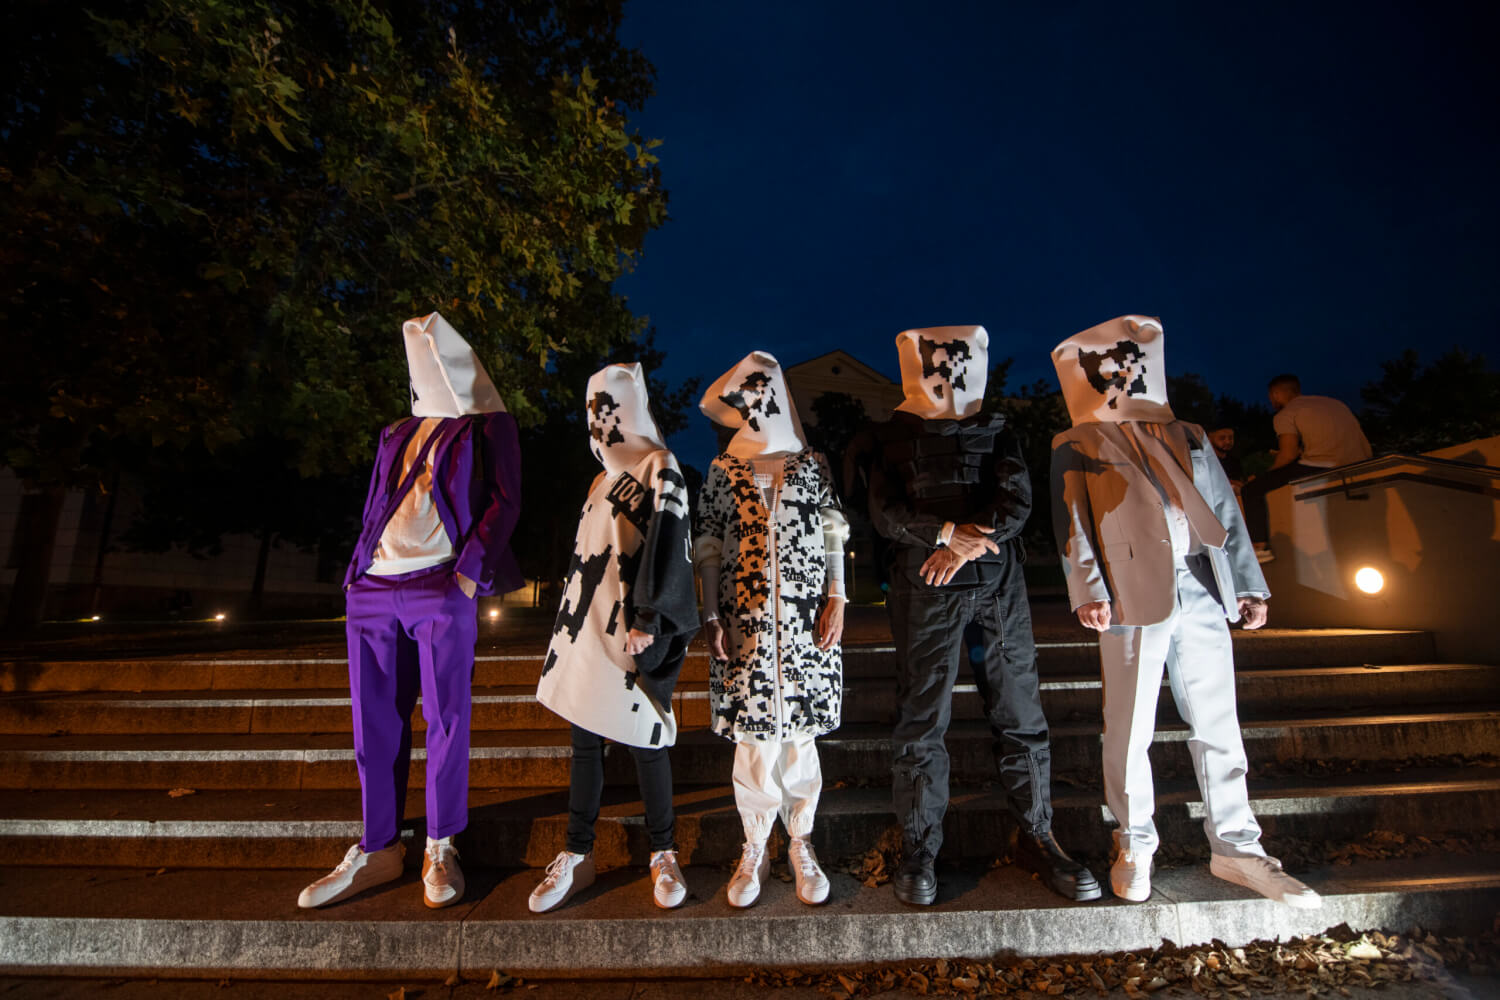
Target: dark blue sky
1307	187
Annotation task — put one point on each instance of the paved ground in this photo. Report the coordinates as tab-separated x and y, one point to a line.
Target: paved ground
1450	988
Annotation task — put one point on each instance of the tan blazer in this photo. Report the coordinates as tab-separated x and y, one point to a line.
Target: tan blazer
1112	529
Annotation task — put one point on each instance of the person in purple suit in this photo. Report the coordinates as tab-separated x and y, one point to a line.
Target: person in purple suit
444	497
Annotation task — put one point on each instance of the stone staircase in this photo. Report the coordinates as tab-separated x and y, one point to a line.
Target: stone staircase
102	871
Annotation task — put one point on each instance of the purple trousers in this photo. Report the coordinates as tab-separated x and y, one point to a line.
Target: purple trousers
409	635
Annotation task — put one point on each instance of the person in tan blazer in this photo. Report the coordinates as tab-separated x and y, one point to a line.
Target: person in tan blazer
1158	561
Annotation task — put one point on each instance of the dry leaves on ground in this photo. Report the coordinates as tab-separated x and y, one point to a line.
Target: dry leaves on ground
1322	965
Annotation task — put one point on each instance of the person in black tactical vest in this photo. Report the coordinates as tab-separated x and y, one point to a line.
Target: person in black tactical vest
949	488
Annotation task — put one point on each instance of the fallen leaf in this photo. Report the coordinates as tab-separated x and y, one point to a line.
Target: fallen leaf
497	980
178	793
1365	950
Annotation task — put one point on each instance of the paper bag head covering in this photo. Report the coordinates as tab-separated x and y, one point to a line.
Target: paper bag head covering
447	379
752	398
943	371
621	429
1115	372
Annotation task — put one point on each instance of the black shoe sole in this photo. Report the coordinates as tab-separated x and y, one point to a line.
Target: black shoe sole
918	898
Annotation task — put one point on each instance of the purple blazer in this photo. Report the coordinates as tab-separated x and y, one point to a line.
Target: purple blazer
476	465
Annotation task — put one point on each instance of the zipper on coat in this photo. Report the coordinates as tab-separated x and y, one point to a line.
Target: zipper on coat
776	612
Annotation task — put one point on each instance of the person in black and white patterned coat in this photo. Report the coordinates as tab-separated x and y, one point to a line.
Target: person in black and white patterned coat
628	613
769	544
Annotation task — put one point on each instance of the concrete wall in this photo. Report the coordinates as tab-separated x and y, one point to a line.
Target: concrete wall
1432	532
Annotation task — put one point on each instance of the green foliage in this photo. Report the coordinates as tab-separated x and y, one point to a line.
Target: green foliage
217	213
1412	408
839	417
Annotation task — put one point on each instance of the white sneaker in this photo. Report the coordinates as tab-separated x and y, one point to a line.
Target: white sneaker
1264	875
1130	876
755	864
671	887
567	873
812	884
356	873
442	879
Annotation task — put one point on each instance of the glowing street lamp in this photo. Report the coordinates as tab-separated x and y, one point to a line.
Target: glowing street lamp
1369	580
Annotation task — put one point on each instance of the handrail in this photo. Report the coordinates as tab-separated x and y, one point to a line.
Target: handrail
1382	470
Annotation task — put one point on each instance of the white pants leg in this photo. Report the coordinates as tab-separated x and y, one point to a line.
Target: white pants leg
1200	669
777	778
801	775
1193	646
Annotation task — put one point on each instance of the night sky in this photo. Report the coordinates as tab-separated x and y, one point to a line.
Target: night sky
1305	187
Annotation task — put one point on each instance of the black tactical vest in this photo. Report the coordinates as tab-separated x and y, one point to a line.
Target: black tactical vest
947	467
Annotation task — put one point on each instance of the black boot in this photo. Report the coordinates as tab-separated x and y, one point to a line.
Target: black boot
1044	855
916	879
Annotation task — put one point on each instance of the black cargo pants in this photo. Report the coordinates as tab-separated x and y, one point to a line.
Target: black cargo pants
928	624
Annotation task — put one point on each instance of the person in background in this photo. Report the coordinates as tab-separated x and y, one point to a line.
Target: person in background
1313	433
1222	438
1156	559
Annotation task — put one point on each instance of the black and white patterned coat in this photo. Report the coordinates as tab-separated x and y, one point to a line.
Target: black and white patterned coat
777	683
631	568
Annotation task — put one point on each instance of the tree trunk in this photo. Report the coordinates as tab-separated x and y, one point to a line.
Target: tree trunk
36	537
258	588
104	530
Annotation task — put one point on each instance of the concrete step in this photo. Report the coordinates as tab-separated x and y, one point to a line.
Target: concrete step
539	758
1253	650
1075	697
211	923
527	826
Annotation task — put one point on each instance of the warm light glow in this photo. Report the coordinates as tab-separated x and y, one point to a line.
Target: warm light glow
1369	580
220	616
494	613
94	619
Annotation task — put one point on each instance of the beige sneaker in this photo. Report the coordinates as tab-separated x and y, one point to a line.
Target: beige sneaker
567	873
812	884
1264	875
755	864
1130	876
442	879
670	887
356	873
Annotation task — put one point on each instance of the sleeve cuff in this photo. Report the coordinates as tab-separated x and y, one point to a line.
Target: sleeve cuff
647	620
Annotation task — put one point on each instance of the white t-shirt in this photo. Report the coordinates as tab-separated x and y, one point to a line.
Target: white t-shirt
414	537
1329	432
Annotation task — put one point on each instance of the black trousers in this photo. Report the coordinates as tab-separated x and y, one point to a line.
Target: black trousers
1253	493
928	624
586	787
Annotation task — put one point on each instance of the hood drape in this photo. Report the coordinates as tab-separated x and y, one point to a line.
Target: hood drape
943	371
752	397
621	429
1115	372
447	378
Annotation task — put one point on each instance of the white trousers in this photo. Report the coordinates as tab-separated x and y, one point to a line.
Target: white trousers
1193	646
777	778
